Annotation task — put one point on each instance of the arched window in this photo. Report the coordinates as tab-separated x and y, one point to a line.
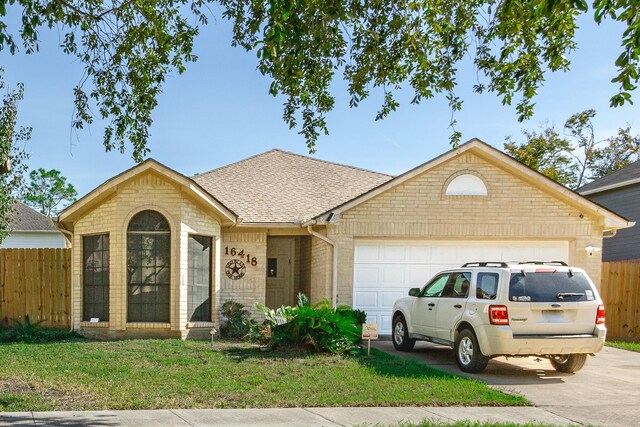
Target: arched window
148	268
466	185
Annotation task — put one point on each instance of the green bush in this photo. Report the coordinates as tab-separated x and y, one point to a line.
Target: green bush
237	320
31	332
26	331
322	327
361	316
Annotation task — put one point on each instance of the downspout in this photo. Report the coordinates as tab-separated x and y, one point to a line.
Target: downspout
70	234
334	281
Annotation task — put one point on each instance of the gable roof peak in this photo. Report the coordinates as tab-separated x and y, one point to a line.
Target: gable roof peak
109	186
501	159
288	153
235	163
279	186
475	140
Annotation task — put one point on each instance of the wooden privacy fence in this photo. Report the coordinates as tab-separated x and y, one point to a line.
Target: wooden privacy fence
36	282
620	291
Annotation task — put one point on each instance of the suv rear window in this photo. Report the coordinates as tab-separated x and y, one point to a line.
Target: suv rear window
549	287
487	285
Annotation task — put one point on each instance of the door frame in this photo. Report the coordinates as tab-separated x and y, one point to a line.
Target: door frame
289	268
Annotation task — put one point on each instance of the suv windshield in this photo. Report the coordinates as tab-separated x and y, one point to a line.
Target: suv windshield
549	287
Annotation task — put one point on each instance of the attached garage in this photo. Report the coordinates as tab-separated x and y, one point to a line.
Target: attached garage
384	270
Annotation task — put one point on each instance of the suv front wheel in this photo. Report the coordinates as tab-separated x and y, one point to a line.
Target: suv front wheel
400	334
468	355
568	363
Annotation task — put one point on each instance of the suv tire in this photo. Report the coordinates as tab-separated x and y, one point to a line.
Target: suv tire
468	355
568	363
400	335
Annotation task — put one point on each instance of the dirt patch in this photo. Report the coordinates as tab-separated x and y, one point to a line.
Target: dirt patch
15	386
54	397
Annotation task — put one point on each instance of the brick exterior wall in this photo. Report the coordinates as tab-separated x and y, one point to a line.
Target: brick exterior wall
321	270
146	191
303	247
251	288
514	209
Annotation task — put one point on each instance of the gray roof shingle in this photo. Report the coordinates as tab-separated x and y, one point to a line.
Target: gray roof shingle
283	187
25	218
627	173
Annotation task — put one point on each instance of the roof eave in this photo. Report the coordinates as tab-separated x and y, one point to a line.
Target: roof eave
269	225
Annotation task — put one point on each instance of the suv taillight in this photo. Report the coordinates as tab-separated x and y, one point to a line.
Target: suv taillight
498	315
600	315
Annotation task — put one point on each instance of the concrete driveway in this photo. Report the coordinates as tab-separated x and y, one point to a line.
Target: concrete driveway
606	392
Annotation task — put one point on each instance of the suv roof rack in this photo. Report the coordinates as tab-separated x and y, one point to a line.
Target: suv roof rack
486	264
561	263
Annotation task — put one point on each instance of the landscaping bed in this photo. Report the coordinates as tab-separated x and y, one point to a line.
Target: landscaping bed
151	374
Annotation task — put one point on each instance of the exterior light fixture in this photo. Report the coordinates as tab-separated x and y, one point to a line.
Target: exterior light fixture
592	249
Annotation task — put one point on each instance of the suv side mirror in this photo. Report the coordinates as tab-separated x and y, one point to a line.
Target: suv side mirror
414	292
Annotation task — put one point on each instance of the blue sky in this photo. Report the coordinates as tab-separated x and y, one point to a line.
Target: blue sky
219	112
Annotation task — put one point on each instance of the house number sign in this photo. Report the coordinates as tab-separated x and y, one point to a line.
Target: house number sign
236	268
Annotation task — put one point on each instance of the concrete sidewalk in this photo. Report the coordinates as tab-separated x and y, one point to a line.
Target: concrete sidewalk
280	417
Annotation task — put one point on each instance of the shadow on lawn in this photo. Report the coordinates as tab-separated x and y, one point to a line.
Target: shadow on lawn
284	352
379	362
390	365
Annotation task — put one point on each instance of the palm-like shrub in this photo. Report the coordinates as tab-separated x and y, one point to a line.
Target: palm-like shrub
236	319
322	327
32	332
26	331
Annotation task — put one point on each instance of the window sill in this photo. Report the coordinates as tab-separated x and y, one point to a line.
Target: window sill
192	325
85	324
148	325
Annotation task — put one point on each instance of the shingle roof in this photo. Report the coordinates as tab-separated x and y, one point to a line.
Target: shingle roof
628	173
25	218
283	187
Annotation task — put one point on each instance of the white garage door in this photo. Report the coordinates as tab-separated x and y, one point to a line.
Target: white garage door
385	270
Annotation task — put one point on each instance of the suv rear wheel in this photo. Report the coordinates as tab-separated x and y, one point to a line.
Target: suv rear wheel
400	335
468	355
568	363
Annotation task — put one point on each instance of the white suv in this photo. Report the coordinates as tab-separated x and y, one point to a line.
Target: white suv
489	309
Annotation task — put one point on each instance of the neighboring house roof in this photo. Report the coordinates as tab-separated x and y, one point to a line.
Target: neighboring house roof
628	175
491	154
25	218
283	187
110	186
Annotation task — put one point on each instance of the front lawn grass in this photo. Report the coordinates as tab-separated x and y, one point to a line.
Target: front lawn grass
150	374
625	345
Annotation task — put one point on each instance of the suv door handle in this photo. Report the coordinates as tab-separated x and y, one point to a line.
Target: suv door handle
431	304
457	306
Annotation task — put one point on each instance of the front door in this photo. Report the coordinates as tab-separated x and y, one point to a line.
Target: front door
279	271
